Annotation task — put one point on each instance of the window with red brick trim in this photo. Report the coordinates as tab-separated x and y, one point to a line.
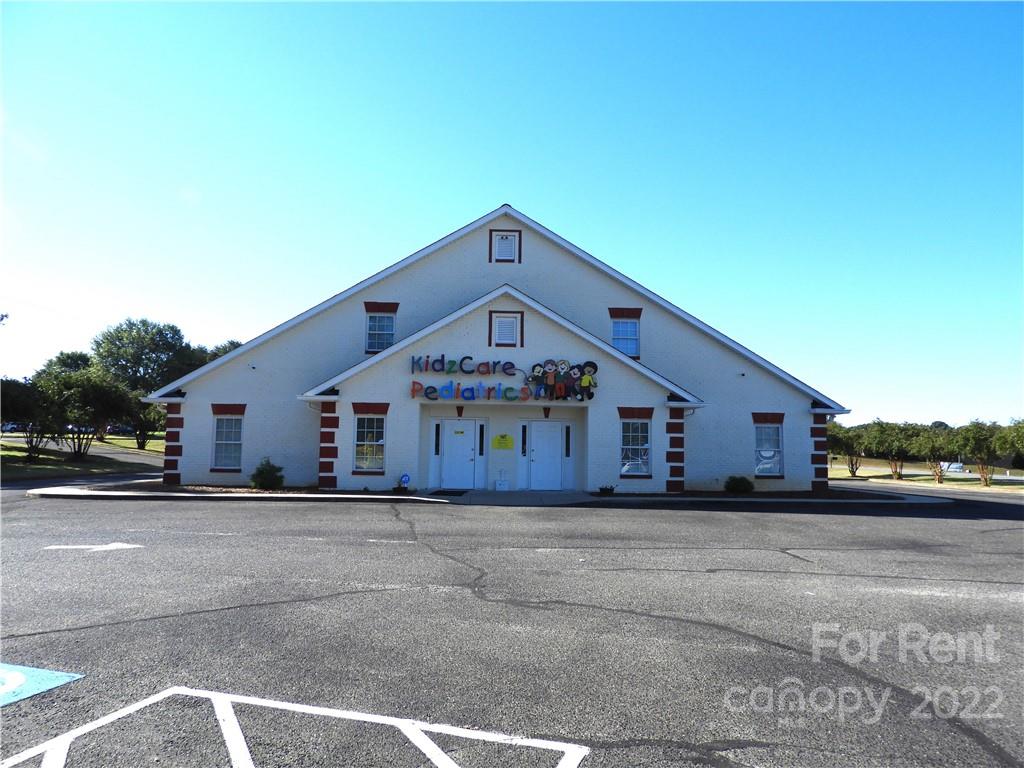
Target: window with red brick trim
767	450
369	445
227	442
626	336
380	331
635	448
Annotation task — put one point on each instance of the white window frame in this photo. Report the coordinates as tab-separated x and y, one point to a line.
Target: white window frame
239	442
499	234
394	322
382	443
617	338
623	448
761	455
517	321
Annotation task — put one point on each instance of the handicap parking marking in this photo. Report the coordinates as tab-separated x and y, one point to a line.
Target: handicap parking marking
55	750
18	683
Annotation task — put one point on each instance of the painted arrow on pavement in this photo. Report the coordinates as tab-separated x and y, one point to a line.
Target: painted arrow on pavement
96	547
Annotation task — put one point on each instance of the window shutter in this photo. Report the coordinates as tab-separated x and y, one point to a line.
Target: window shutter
506	330
504	247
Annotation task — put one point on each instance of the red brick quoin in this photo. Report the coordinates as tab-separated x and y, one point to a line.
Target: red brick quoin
172	444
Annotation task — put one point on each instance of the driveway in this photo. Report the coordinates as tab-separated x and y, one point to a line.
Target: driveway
324	634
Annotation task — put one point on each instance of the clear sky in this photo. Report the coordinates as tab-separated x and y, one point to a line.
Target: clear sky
836	186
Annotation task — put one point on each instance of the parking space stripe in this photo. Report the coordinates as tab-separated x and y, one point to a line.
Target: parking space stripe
434	753
234	740
55	750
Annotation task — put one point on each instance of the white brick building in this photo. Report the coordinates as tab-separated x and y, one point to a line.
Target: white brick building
501	356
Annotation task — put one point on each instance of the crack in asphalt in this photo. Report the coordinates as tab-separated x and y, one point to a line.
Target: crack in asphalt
707	753
787	550
202	611
703	753
805	573
997	530
1005	554
901	696
798	557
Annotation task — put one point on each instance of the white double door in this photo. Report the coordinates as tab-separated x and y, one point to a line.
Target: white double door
458	453
546	455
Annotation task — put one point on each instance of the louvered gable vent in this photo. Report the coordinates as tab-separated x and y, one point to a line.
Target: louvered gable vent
504	246
506	330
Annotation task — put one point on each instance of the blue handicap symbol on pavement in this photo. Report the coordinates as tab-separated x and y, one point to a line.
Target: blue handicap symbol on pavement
18	683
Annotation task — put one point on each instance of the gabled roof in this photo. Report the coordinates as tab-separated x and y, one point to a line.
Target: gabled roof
508	210
691	400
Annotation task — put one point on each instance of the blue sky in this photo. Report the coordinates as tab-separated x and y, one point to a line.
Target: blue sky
836	186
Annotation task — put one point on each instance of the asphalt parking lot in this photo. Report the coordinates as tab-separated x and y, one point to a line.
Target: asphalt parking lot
595	637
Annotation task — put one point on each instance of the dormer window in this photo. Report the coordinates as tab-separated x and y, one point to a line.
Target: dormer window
380	325
506	246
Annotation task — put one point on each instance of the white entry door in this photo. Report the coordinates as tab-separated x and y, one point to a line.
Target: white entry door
458	453
545	456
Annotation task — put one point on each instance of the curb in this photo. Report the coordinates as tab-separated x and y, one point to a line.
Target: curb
900	499
73	492
70	492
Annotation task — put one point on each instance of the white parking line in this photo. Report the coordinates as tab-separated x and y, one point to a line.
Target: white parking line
97	547
392	541
238	750
55	750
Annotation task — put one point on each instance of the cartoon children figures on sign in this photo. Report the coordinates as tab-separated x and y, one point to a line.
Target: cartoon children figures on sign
563	380
550	378
587	382
572	382
536	379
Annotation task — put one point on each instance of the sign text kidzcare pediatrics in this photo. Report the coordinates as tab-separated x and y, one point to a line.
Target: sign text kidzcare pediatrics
549	380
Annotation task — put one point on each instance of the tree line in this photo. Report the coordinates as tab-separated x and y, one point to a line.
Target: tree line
75	396
983	444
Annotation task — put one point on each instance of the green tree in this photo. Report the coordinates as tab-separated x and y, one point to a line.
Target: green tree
222	349
977	441
1010	440
196	356
845	442
18	400
22	400
65	362
145	419
77	404
935	446
890	441
143	355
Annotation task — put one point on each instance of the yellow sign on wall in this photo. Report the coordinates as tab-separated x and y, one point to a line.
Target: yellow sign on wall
503	442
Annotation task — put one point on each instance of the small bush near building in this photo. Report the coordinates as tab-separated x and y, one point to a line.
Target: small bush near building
738	484
268	476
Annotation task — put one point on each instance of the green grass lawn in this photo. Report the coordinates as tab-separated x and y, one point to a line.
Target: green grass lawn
53	463
919	474
155	445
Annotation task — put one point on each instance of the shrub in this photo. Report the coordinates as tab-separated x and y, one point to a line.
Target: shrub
268	476
738	484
